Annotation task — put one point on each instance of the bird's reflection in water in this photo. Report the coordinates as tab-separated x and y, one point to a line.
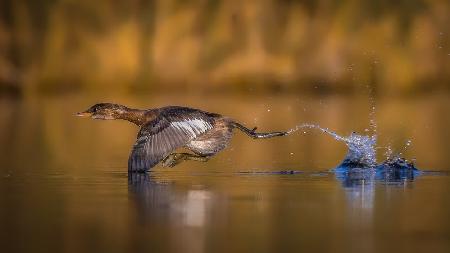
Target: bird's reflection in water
184	211
160	199
152	198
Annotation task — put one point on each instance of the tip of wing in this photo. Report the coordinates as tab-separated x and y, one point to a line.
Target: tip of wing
139	164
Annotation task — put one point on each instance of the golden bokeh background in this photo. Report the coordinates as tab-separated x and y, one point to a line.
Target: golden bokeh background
396	47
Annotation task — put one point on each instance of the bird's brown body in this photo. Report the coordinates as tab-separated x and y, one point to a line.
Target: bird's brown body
163	130
214	140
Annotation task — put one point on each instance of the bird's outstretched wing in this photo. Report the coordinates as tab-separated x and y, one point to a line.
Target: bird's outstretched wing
161	136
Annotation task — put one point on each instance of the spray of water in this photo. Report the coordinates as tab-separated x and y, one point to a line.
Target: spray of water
361	148
312	126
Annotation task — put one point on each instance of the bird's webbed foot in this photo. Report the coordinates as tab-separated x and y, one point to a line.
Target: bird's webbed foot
176	158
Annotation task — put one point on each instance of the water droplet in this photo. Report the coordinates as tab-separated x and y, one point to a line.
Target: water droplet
268	110
361	148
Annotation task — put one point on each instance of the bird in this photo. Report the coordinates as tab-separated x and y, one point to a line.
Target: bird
164	130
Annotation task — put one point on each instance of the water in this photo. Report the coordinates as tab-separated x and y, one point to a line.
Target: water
361	148
360	165
64	185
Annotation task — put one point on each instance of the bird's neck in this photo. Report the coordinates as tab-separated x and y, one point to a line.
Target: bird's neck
136	116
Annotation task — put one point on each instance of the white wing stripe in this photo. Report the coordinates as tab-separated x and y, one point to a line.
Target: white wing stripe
182	127
158	138
193	127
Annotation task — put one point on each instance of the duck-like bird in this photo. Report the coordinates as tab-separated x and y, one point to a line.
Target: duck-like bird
165	129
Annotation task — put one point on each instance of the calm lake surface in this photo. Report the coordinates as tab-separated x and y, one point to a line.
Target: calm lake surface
64	185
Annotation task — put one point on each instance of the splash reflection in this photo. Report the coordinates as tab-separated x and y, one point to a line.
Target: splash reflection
361	184
394	171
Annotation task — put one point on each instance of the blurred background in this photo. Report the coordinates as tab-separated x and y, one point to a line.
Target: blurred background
396	47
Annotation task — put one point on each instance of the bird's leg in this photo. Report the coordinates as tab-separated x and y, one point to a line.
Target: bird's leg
172	160
176	158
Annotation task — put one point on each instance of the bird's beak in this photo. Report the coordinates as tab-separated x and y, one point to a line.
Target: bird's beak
84	114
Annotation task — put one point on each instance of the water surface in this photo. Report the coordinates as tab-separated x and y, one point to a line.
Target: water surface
64	185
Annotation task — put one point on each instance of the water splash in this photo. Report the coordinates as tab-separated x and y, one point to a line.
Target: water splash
360	167
405	147
361	148
312	126
389	154
372	114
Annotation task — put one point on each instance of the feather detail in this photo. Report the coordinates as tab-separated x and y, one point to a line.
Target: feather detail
167	132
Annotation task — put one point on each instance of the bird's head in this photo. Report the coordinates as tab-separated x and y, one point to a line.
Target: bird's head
104	111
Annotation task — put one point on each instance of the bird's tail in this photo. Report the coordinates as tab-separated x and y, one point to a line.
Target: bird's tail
255	135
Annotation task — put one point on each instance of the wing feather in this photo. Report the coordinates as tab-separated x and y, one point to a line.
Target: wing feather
160	137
